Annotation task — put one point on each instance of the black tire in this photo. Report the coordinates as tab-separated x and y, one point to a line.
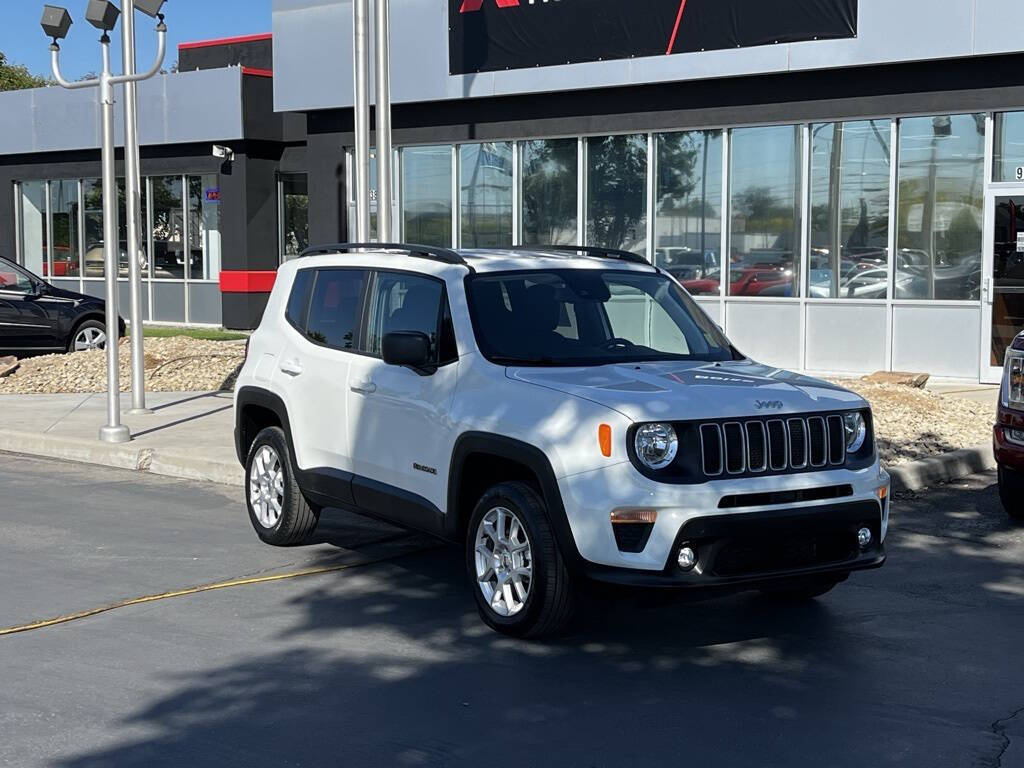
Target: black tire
800	591
298	518
550	599
1011	492
86	325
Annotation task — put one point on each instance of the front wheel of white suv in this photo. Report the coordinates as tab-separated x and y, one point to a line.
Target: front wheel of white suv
278	511
519	579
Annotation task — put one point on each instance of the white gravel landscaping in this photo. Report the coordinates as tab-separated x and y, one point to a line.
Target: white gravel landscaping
914	423
174	364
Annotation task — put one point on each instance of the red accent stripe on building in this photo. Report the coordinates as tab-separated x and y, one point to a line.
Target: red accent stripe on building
225	41
247	281
257	72
675	29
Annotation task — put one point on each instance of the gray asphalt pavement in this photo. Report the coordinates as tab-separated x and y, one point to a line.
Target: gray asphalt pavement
386	664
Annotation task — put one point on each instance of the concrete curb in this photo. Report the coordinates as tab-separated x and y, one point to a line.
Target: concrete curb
130	456
924	473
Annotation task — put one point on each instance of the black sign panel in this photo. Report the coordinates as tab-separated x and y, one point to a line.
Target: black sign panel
490	35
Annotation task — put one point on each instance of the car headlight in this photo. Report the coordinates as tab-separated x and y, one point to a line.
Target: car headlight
1014	379
656	445
856	430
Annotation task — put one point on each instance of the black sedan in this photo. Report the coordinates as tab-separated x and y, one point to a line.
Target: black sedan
38	317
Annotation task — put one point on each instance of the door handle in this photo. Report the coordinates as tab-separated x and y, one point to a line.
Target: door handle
363	387
291	367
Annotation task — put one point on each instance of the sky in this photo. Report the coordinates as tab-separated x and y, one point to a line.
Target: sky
23	41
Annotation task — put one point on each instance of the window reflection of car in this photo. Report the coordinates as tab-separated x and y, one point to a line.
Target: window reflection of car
761	281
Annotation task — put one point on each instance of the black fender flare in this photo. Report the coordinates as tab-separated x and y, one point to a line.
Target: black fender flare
264	399
523	453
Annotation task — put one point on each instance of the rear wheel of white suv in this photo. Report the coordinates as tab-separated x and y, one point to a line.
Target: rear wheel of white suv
278	511
518	577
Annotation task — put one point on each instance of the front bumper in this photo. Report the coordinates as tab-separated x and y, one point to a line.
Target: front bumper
761	547
735	544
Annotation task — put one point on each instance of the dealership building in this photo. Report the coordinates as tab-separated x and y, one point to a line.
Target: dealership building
840	183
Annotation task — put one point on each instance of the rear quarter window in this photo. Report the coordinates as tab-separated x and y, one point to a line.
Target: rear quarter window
298	300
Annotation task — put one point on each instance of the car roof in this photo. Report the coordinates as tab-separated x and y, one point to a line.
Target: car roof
508	259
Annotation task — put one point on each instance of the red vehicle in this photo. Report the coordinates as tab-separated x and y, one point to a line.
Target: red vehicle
753	281
1008	435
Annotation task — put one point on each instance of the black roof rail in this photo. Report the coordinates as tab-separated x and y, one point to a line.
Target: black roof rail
591	250
444	255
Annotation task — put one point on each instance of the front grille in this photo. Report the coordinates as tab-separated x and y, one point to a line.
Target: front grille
760	446
742	557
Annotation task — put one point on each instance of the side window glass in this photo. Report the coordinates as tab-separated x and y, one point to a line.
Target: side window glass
403	303
334	307
298	300
14	281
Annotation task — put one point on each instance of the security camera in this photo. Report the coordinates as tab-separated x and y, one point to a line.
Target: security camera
224	153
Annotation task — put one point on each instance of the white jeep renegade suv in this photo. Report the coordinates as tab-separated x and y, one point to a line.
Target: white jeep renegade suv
565	414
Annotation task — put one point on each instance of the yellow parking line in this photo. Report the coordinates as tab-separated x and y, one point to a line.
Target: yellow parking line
189	591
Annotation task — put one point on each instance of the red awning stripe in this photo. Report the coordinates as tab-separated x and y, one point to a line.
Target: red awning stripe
247	281
225	41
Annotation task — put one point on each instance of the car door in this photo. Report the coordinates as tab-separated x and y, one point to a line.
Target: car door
312	369
25	321
400	432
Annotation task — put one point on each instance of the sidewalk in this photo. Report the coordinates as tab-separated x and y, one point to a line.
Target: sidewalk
188	435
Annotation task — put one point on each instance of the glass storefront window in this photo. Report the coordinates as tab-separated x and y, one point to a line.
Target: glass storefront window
1009	147
294	207
427	195
485	194
203	227
617	192
549	191
940	207
92	201
33	241
687	219
849	210
168	228
64	207
122	229
764	211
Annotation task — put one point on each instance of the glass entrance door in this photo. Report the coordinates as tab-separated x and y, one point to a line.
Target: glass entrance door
1003	315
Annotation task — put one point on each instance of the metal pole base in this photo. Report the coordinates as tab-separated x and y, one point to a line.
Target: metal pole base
118	434
140	411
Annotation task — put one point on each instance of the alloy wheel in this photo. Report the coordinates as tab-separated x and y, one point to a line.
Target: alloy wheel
266	486
90	338
504	561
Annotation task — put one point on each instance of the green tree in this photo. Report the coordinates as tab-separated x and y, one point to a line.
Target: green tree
15	77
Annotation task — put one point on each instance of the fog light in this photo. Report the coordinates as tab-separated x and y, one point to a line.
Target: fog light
687	558
864	537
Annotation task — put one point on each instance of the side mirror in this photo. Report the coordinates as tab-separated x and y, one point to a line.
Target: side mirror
40	289
408	348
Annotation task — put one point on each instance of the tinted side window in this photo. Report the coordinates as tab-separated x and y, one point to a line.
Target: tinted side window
334	307
298	300
403	303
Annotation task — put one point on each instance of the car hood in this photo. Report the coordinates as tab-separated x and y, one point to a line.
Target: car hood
683	390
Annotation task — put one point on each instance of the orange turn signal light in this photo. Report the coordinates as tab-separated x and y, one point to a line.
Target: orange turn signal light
620	516
883	491
604	439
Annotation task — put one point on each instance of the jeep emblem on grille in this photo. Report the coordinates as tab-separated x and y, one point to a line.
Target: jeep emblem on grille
762	405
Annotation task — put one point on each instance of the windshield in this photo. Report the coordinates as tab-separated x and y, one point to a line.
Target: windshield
590	317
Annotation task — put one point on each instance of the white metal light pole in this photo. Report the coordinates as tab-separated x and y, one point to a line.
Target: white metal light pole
133	194
383	115
361	72
103	15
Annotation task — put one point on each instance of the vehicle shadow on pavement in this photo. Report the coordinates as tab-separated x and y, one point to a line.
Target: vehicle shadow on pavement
390	665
